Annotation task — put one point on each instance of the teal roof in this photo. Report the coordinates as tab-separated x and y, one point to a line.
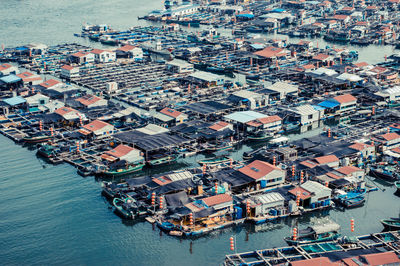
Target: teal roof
10	79
14	100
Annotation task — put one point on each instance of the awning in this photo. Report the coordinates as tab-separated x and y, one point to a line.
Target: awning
329	104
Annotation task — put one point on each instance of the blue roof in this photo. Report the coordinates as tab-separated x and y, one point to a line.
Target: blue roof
10	79
245	15
278	10
14	100
257	46
329	104
318	108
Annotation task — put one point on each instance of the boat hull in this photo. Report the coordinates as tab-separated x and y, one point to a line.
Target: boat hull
131	170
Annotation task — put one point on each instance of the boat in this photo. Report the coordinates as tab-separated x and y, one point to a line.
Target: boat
220	146
46	150
126	208
215	160
259	136
384	172
278	142
391	224
37	138
166	226
170	158
397	184
121	168
317	233
353	202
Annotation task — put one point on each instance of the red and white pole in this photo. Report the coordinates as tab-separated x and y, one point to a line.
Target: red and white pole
161	203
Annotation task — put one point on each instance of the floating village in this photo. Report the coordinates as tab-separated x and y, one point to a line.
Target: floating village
187	92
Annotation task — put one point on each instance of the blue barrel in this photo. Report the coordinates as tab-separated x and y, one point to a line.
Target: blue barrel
328	202
263	183
238	212
312	205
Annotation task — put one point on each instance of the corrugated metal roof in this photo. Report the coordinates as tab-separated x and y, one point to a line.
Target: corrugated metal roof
393	90
315	187
305	109
270	197
14	100
152	129
10	79
244	116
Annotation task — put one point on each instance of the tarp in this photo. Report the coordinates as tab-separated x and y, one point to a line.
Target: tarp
138	181
177	199
175	186
232	177
329	104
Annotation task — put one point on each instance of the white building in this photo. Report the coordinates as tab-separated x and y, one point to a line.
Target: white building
179	67
98	128
68	71
130	51
265	202
104	56
123	152
7	69
264	174
318	191
91	101
307	114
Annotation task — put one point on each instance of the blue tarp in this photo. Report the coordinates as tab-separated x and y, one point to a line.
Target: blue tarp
10	79
14	100
278	10
329	104
245	16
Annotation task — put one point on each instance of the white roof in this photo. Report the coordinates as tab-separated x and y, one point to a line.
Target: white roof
349	77
279	139
305	109
152	129
314	187
270	197
247	94
283	87
179	63
392	90
36	98
181	175
323	70
205	76
244	116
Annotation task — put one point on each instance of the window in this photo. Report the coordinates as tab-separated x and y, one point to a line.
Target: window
310	116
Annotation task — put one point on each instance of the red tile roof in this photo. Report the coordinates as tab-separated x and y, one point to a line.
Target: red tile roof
264	121
64	110
347	170
49	83
340	17
67	67
315	262
308	66
304	194
270	52
170	112
334	175
258	169
390	136
28	76
217	199
5	66
80	54
309	163
96	125
97	51
395	125
320	57
327	159
346	98
162	180
360	146
396	150
120	151
88	99
381	258
126	48
219	125
361	64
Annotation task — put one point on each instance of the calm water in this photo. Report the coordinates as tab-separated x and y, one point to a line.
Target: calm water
51	215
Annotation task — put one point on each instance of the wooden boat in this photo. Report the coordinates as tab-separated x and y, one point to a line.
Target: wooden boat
46	150
397	184
391	224
316	233
121	169
222	146
384	172
259	136
126	208
166	226
215	160
353	202
164	160
37	138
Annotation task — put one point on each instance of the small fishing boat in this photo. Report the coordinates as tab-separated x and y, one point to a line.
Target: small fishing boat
391	224
384	172
259	136
166	226
46	150
353	202
164	160
126	208
397	184
220	146
122	168
278	142
215	160
37	137
316	233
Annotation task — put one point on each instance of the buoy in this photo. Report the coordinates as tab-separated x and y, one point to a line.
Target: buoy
232	244
329	132
293	170
230	162
77	147
52	131
352	225
301	177
40	125
248	207
153	198
191	219
274	160
161	203
373	110
298	198
327	183
204	169
295	234
216	188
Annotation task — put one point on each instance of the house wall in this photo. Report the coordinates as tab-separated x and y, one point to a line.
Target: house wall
104	132
274	178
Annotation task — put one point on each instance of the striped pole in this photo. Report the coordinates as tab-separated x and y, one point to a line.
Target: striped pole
329	132
77	147
301	177
216	188
274	161
248	207
161	203
352	225
373	110
298	198
327	183
191	221
232	245
40	125
80	120
230	162
293	170
153	198
204	169
52	131
295	234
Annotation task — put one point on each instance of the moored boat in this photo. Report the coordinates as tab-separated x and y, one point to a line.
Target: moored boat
391	224
384	172
126	208
122	168
353	202
164	160
315	234
37	138
215	160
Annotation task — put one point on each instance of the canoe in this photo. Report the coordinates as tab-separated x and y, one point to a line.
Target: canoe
164	160
354	202
219	147
124	171
391	224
